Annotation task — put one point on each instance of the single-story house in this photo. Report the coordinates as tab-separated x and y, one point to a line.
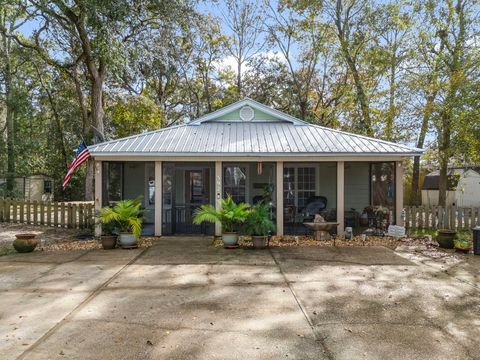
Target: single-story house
251	152
463	187
33	187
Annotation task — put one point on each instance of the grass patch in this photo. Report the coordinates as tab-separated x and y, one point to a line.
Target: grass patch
462	235
6	250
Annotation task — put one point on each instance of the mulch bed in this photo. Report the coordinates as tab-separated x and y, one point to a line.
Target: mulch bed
144	242
55	239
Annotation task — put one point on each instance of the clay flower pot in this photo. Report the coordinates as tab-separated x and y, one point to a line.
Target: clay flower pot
25	243
445	238
108	241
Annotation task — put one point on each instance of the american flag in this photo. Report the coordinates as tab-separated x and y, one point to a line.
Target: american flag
82	154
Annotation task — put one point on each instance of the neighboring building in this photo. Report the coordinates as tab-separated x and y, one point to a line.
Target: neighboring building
463	187
252	152
33	187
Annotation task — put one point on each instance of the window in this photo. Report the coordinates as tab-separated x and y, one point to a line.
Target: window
298	185
305	185
47	186
234	182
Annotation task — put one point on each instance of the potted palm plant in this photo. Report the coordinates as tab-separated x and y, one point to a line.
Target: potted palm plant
126	215
231	216
259	225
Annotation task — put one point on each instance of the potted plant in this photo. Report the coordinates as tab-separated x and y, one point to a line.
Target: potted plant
462	245
259	225
126	215
230	215
445	238
25	243
108	237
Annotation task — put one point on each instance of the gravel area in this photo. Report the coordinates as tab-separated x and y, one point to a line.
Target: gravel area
54	239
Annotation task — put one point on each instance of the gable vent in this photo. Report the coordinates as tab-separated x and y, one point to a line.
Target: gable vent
246	113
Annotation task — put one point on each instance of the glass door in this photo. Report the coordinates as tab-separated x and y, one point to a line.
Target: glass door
186	188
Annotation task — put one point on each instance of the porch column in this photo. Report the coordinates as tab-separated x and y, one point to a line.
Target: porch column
340	197
98	194
218	194
158	198
398	193
279	198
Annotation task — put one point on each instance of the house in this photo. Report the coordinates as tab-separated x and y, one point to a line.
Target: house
33	187
463	187
251	152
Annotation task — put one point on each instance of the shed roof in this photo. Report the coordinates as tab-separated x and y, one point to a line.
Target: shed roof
431	180
269	132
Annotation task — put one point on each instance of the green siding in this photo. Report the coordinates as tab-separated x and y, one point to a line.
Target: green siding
235	115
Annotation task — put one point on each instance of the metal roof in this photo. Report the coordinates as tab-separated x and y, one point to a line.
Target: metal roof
213	136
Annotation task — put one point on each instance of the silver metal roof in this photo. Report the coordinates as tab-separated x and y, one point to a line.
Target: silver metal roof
253	138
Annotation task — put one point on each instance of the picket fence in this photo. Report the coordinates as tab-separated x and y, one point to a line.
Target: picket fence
56	214
438	217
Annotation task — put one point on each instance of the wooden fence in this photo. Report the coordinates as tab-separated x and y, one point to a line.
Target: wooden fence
437	217
57	214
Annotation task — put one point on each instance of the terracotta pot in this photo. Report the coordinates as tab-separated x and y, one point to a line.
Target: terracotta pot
445	238
260	242
25	243
108	241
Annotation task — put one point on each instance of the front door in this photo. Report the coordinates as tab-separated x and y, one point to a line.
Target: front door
189	188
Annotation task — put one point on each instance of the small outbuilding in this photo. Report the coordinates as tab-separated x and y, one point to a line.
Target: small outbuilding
33	187
463	188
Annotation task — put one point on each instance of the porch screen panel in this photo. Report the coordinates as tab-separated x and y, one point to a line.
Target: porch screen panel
112	182
383	184
288	186
235	183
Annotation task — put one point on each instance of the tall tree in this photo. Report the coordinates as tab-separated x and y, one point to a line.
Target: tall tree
350	19
12	17
245	25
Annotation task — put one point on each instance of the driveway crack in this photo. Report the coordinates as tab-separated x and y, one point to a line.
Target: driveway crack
319	339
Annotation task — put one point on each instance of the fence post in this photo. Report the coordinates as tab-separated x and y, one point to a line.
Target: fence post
55	214
62	214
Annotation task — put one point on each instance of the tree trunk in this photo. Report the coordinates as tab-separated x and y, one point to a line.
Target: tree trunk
390	121
239	78
97	119
416	194
10	123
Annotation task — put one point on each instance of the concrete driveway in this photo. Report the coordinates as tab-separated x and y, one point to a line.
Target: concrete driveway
183	299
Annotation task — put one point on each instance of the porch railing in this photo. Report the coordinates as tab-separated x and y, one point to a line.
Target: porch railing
438	217
78	215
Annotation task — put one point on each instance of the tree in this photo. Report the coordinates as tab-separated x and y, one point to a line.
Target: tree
243	20
350	19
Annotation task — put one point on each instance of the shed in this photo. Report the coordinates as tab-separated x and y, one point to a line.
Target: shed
463	188
33	187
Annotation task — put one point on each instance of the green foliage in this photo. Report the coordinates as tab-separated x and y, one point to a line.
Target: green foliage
134	116
125	215
258	222
230	215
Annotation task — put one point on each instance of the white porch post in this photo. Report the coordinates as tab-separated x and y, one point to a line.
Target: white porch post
218	194
398	193
340	197
279	198
158	198
98	194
